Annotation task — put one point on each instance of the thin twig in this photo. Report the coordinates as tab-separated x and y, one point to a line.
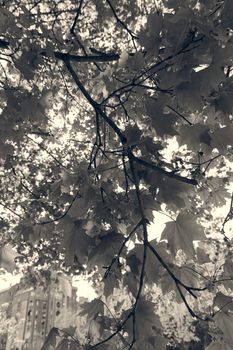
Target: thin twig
122	247
63	215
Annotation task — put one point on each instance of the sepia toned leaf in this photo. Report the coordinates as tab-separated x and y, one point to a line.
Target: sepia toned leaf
181	233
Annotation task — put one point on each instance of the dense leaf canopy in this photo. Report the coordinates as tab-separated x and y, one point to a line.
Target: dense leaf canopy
112	111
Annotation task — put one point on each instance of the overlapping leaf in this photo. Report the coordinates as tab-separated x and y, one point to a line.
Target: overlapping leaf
185	274
106	248
92	309
223	302
76	242
153	266
181	234
146	321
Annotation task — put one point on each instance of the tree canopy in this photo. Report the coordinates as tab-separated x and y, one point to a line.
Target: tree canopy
112	111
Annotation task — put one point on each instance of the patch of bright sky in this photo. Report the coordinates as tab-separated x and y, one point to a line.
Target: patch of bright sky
8	279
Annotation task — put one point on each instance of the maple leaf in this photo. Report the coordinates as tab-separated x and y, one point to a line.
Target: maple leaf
81	205
111	281
51	339
152	267
69	331
156	342
74	346
132	282
181	233
173	193
214	75
92	309
66	224
146	321
194	135
202	255
164	124
223	302
225	322
107	246
222	138
227	274
76	243
133	135
218	345
188	94
99	347
149	37
63	344
224	103
185	274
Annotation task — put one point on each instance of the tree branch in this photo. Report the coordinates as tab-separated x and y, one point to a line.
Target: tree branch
105	57
166	173
87	58
122	247
94	104
133	36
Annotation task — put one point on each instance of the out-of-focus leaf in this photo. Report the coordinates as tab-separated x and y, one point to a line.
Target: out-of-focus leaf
51	339
156	342
225	322
69	331
75	346
163	123
82	204
111	281
7	258
223	302
222	138
219	345
63	344
92	309
202	256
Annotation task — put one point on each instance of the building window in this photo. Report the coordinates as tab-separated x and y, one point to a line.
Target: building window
57	313
29	312
58	304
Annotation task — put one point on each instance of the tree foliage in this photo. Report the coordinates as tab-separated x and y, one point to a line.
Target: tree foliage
111	111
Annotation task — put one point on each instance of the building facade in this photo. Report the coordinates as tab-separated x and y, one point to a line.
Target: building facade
37	311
